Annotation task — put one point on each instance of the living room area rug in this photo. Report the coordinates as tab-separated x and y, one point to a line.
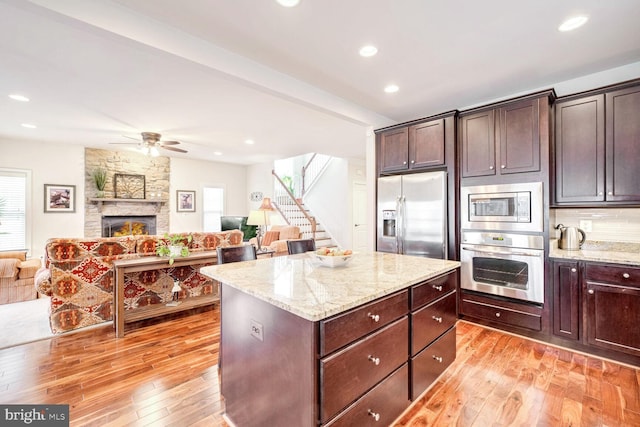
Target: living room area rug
24	322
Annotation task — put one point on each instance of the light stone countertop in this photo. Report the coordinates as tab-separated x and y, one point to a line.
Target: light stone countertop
600	251
301	285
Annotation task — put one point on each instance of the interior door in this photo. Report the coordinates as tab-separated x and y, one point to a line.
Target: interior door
359	217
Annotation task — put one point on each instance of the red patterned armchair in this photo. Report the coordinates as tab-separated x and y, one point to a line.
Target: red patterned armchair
78	275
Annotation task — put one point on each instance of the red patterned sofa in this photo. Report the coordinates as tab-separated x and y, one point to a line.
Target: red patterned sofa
78	275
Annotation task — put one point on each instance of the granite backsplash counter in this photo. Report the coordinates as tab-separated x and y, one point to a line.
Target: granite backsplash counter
600	251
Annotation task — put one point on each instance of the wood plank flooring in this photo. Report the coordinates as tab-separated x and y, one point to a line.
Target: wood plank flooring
164	374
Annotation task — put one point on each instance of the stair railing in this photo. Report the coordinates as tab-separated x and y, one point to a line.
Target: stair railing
284	196
312	170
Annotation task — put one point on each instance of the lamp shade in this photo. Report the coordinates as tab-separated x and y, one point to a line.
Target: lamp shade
266	205
258	218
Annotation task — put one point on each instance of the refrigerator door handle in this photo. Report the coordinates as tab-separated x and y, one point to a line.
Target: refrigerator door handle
403	231
399	225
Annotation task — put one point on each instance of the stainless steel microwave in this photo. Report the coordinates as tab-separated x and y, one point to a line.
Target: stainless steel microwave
503	207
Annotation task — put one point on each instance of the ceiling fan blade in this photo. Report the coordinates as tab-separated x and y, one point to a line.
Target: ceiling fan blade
131	137
169	142
179	150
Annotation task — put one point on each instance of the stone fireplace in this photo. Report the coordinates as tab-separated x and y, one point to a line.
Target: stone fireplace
156	172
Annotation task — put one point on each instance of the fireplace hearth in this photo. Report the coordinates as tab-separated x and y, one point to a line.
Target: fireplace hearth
126	225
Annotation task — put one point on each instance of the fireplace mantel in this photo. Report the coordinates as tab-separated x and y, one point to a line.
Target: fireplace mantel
101	201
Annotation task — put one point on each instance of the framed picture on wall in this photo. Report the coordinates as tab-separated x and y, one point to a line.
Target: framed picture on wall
128	186
186	201
59	198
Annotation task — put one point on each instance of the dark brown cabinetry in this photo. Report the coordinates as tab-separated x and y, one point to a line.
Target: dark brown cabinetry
596	308
579	150
500	312
433	333
417	146
597	144
566	299
612	307
502	141
623	145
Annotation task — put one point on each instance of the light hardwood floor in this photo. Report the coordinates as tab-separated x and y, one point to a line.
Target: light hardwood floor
164	374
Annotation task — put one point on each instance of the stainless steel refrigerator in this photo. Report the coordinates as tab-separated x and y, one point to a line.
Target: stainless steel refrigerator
412	214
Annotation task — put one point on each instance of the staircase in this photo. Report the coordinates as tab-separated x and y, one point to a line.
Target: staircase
292	209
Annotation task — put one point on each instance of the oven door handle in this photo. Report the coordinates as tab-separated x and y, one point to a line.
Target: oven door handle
501	253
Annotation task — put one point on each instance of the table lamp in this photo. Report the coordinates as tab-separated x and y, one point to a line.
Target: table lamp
260	218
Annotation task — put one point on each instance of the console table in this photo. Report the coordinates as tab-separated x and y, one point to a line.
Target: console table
124	266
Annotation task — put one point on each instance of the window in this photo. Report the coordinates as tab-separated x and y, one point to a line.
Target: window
14	189
212	208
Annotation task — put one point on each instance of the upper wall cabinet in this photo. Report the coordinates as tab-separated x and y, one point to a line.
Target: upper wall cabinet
412	147
503	140
597	147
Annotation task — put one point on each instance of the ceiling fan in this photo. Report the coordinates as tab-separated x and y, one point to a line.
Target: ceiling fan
151	142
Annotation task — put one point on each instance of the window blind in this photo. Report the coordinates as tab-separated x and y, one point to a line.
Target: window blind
13	206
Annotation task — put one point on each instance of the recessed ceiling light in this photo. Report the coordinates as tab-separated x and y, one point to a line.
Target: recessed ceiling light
573	23
249	142
288	3
29	126
368	51
217	153
391	89
17	97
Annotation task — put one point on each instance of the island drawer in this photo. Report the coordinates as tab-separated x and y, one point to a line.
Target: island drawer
433	289
427	366
622	274
380	406
431	321
352	325
350	372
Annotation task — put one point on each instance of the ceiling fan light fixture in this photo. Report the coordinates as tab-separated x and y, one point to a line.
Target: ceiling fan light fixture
573	23
154	152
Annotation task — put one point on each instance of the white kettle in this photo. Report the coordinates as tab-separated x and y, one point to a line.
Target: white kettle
571	238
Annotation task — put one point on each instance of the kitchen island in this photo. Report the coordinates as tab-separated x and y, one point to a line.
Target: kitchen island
303	344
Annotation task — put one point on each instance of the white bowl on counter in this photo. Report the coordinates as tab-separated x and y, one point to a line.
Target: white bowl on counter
333	260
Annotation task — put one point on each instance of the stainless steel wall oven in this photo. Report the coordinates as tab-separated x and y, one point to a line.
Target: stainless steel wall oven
509	265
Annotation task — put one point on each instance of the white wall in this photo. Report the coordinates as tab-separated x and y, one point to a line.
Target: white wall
64	164
259	178
49	164
193	175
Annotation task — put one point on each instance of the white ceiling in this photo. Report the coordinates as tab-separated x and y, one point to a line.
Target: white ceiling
213	73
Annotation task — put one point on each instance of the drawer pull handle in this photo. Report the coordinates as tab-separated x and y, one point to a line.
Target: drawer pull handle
374	317
573	270
438	359
374	415
591	291
437	319
625	275
498	314
375	360
437	287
